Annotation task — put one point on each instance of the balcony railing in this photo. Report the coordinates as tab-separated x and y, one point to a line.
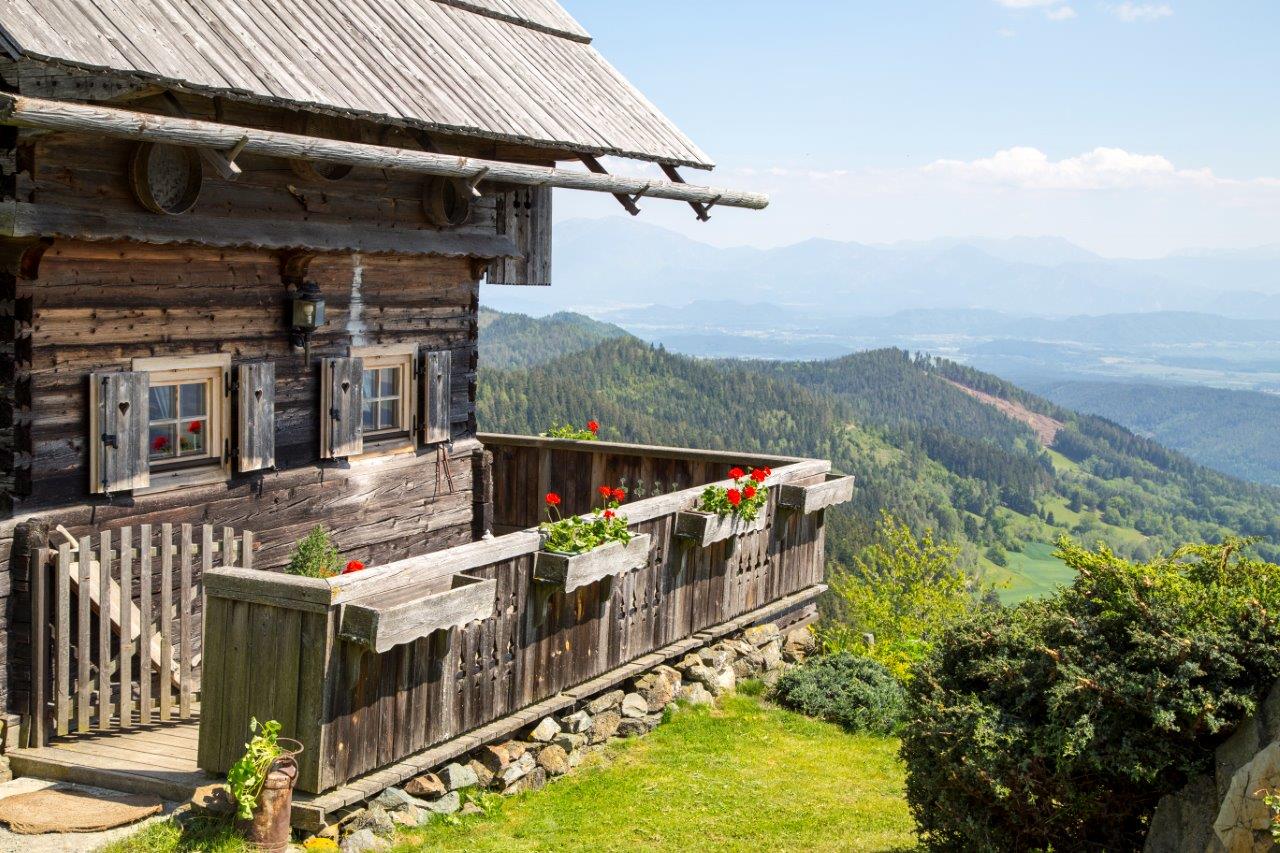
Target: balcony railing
371	668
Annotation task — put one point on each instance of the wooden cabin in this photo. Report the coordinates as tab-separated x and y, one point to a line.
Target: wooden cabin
242	251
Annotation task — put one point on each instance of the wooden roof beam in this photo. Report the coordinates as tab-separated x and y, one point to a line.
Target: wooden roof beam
128	124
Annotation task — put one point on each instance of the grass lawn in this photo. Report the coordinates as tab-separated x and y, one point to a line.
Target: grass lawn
741	777
1034	573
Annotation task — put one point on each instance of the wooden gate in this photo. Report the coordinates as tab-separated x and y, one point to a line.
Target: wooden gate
116	625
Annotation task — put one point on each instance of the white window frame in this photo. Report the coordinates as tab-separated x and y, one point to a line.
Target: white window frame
215	369
405	357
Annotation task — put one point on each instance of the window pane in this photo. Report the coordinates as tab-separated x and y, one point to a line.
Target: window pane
162	402
370	383
387	411
369	422
192	438
193	400
390	382
162	444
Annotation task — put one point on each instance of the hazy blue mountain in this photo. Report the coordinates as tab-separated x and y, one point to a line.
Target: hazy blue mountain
612	263
1233	431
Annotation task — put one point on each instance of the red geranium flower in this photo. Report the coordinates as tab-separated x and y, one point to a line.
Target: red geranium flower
758	474
194	427
734	496
619	495
768	472
609	514
735	473
606	492
593	426
553	499
160	442
749	492
353	566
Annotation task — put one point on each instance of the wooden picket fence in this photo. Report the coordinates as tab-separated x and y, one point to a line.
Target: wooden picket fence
105	657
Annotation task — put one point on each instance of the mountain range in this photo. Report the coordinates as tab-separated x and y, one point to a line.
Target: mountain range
935	443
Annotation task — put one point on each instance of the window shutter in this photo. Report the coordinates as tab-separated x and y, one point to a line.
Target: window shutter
255	416
341	398
119	404
435	396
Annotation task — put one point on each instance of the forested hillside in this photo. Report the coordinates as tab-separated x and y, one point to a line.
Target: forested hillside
514	340
921	448
1233	431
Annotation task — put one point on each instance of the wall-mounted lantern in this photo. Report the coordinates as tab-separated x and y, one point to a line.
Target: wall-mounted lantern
306	314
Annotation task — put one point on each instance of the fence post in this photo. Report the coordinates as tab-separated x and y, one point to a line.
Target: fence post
29	537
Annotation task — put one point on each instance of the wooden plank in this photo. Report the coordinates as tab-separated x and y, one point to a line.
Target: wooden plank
62	602
60	765
382	622
186	628
120	402
126	628
165	617
246	550
571	571
23	218
255	418
104	630
83	641
38	569
341	418
145	625
274	588
437	370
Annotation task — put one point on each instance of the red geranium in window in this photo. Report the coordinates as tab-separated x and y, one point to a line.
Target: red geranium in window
160	442
194	427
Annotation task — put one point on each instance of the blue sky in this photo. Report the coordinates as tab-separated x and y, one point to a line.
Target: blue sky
1132	128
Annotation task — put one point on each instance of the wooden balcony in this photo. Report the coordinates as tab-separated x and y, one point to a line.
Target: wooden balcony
388	672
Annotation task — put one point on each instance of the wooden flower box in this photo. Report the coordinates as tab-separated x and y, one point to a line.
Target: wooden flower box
382	621
835	489
570	571
706	528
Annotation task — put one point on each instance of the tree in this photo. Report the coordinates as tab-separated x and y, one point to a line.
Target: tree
903	590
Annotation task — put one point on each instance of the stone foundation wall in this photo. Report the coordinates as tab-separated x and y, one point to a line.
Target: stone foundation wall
1223	811
557	744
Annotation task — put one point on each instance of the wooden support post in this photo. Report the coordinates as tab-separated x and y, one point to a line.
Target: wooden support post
624	199
699	208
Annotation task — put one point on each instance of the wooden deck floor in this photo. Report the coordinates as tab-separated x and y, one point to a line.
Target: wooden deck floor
157	759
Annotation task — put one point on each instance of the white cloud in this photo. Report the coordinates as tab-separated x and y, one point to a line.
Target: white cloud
1061	13
1140	12
1100	169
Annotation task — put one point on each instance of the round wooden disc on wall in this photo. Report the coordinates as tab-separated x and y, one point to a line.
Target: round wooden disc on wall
326	127
166	178
446	201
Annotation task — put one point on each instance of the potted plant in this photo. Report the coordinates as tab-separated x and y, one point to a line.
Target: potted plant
569	431
726	511
260	785
578	550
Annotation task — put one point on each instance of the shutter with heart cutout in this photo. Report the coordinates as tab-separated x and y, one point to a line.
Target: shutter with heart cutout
341	415
255	416
118	450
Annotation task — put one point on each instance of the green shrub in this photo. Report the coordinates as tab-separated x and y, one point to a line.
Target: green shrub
1060	724
314	556
857	693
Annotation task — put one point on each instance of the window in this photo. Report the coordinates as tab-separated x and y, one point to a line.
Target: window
187	417
388	398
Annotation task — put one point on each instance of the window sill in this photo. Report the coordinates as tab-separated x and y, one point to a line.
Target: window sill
167	481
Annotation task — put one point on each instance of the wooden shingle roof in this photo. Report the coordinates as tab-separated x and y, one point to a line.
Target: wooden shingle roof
514	70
